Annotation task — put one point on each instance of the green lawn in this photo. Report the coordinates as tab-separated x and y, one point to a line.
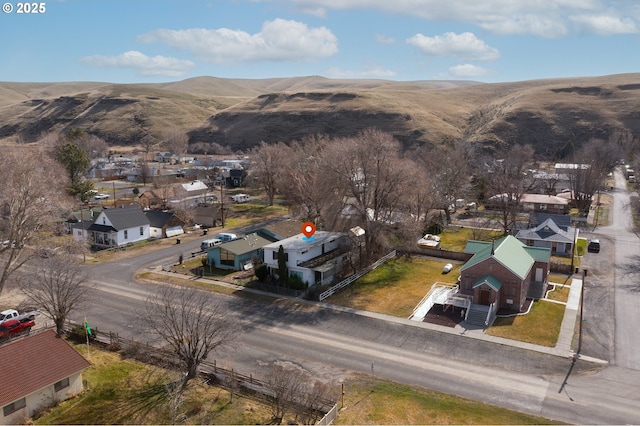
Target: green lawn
396	287
541	326
456	238
559	293
369	400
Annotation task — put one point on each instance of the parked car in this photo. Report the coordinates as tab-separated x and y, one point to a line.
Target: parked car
8	314
207	244
101	196
226	236
594	246
15	326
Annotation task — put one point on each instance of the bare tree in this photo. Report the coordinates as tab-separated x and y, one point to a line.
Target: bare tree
507	182
176	140
190	324
449	168
590	167
28	201
58	285
295	391
370	180
304	181
268	162
286	383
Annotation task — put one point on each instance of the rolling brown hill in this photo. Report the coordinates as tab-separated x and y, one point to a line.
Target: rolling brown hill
553	115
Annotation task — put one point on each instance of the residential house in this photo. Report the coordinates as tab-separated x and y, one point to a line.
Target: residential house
544	203
157	198
119	227
532	202
237	255
208	216
554	232
166	157
74	217
315	260
38	371
503	274
279	230
164	224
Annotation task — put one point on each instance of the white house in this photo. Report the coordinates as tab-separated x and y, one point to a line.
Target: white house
120	226
315	260
40	370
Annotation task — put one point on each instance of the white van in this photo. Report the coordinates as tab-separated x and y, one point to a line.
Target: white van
207	244
226	236
240	198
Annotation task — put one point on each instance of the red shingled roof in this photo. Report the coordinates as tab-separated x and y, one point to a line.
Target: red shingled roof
34	362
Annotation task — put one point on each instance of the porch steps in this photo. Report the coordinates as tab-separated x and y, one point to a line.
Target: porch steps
477	315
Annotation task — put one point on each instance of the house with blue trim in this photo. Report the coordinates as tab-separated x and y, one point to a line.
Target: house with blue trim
237	255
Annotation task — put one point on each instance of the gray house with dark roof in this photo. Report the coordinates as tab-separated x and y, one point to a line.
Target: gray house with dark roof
164	224
119	227
549	234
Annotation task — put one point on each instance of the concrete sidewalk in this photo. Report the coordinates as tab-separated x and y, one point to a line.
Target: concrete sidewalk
562	349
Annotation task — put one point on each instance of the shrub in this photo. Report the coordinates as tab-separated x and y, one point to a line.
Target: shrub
261	272
296	283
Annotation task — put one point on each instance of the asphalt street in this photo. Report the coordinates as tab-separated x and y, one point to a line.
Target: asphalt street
332	344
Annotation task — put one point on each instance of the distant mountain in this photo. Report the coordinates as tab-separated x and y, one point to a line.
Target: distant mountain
553	115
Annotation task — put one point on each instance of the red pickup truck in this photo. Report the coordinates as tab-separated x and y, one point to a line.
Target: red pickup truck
13	327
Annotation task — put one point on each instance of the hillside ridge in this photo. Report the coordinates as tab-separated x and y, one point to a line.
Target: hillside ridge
551	114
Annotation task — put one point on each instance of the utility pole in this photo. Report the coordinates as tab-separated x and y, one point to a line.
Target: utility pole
222	202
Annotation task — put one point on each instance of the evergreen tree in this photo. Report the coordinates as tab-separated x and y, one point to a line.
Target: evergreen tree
283	271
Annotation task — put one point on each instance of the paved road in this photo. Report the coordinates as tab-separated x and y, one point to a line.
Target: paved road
627	288
332	344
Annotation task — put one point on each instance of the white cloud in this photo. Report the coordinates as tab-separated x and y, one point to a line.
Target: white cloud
467	71
279	40
604	25
143	64
382	39
548	18
465	45
369	71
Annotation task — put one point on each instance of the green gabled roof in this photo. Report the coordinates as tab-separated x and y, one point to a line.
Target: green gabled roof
539	254
508	251
490	280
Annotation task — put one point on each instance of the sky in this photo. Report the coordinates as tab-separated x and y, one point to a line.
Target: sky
151	41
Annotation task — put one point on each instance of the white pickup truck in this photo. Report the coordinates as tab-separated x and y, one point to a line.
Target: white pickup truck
13	314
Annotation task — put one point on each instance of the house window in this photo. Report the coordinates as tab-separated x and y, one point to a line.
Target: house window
57	386
14	406
141	231
543	206
275	256
227	257
104	220
126	234
513	291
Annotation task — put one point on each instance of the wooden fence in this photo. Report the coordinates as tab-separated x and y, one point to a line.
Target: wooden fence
231	380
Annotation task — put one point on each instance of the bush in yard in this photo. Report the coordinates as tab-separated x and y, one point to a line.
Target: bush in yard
296	283
261	272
